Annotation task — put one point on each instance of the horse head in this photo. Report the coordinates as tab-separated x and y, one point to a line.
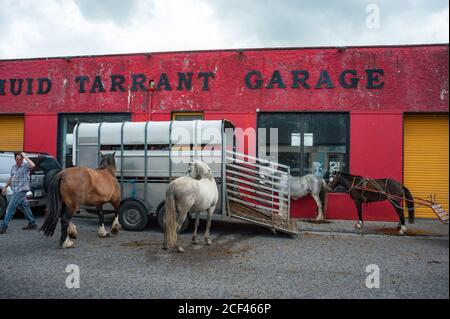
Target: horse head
199	170
107	161
335	179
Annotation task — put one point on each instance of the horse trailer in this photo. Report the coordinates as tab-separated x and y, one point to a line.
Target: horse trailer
151	154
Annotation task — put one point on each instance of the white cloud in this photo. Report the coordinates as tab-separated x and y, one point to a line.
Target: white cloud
80	27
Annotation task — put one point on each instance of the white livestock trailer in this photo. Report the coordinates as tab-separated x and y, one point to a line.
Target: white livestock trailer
151	154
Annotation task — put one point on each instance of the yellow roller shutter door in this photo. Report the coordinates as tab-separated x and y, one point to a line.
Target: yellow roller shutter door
11	133
426	159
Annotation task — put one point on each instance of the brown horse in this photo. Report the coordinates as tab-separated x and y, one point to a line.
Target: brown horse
367	190
77	186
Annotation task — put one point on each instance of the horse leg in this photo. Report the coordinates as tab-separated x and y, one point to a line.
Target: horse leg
360	223
116	225
194	235
319	217
72	230
102	233
181	218
401	225
65	241
180	221
209	211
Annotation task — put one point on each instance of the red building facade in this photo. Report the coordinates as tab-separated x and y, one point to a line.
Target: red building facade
374	87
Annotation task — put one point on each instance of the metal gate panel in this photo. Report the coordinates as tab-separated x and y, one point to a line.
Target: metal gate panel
258	191
426	159
11	132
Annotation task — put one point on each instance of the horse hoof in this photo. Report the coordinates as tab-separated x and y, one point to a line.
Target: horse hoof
180	250
68	244
103	235
114	231
402	231
208	241
73	236
358	226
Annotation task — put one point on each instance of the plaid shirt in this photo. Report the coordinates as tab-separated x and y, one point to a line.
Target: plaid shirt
20	178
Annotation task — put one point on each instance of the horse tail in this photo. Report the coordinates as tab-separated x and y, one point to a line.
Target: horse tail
323	195
170	220
54	206
410	204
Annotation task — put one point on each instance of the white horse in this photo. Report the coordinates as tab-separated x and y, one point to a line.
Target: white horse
314	185
195	192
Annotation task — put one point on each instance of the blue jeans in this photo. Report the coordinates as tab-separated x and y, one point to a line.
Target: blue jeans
17	199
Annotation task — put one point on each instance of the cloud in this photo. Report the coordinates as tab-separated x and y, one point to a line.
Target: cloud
307	23
61	28
83	27
118	11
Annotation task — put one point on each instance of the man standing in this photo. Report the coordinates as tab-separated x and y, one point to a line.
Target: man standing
20	185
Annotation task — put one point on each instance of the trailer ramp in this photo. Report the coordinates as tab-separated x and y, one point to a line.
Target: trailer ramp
258	191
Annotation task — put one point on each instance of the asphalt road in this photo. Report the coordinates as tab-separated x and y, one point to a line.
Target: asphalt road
244	261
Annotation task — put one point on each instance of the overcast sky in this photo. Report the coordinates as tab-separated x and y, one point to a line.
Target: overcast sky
39	28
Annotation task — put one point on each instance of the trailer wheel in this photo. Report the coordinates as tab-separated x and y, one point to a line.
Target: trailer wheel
2	207
133	216
161	213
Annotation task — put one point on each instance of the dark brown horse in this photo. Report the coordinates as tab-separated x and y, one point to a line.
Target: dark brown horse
367	190
77	186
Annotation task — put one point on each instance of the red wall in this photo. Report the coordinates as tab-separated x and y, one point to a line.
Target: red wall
415	80
41	133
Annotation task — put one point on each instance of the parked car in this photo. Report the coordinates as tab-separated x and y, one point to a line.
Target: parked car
40	177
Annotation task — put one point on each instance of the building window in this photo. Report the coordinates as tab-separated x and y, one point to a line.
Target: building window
309	143
187	116
66	124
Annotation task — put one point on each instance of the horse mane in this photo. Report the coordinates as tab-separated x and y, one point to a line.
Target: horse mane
103	166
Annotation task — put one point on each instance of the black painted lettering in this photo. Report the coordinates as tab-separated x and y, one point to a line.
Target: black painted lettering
97	86
373	79
324	79
117	82
300	77
353	80
205	76
164	82
276	79
44	85
15	90
82	79
253	80
185	78
138	80
29	87
2	87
